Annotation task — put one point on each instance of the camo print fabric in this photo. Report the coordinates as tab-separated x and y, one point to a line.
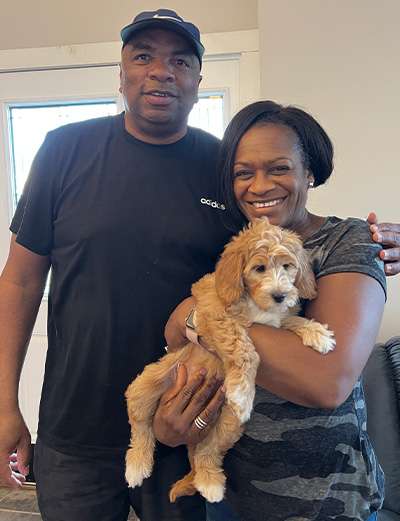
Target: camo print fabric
301	464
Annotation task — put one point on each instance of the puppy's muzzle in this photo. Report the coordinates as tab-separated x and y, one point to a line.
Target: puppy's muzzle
278	297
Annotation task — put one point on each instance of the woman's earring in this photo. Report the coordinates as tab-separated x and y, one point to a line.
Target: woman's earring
311	184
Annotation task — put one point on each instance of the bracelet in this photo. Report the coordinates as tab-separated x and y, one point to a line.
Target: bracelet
191	333
192	336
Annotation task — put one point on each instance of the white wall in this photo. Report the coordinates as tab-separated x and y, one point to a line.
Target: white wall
340	60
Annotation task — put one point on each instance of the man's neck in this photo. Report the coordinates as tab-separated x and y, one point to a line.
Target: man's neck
155	135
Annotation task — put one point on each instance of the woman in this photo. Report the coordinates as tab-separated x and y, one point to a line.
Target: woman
305	454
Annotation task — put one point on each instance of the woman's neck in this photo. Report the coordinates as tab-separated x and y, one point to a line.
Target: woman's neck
309	224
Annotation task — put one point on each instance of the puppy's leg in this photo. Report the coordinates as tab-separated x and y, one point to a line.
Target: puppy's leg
142	397
240	365
209	478
311	332
185	486
240	369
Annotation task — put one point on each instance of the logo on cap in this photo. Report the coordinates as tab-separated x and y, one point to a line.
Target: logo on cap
167	17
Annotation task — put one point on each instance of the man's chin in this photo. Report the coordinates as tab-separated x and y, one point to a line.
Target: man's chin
156	128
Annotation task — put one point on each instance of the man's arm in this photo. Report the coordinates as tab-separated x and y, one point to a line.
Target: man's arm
21	288
387	234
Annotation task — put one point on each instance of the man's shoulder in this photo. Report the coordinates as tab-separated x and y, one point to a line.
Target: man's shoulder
90	127
205	137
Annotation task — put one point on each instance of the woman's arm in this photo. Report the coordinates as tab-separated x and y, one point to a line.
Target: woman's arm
352	305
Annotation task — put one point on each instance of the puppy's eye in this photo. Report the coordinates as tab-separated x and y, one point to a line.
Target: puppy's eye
260	268
287	266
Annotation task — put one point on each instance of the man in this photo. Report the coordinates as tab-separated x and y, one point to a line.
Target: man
113	206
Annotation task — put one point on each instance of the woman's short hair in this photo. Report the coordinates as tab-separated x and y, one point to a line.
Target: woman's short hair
315	146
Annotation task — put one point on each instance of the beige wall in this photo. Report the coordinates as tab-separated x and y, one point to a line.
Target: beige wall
47	23
340	60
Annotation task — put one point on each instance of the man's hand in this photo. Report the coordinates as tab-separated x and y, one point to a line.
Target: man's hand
15	450
175	330
387	234
179	406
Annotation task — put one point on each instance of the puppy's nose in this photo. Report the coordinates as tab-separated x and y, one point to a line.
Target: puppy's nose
278	297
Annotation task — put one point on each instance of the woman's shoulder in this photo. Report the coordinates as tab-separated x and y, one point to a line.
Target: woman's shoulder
342	234
336	227
345	245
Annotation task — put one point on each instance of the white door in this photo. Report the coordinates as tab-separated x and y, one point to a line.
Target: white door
36	88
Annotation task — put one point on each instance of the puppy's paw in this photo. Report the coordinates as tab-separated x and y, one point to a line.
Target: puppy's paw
211	486
138	467
319	337
134	476
212	493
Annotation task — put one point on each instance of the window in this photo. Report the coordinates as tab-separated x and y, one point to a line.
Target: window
30	124
208	114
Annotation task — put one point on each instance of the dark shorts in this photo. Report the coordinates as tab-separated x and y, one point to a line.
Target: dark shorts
75	488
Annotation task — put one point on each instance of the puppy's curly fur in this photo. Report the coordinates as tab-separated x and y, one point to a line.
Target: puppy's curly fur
260	277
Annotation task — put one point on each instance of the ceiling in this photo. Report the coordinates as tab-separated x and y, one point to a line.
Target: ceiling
48	23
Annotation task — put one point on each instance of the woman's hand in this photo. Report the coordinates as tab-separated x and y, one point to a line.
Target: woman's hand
175	329
387	234
186	400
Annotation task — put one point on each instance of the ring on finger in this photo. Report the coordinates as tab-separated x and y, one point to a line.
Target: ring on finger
200	423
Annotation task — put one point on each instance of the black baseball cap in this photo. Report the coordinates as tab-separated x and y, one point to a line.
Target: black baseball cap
164	19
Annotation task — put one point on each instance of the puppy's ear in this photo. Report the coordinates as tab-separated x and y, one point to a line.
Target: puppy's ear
305	280
229	275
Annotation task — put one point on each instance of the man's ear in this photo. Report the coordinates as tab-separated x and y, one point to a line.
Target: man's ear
229	276
197	95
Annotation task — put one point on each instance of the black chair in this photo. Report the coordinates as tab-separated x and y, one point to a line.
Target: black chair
381	379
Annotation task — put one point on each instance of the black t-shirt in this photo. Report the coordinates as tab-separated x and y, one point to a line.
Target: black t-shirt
128	226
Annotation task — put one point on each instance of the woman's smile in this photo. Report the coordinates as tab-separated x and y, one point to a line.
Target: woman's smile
260	204
269	176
